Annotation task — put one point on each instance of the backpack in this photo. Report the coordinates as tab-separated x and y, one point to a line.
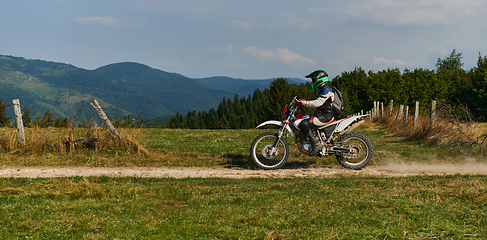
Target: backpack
337	104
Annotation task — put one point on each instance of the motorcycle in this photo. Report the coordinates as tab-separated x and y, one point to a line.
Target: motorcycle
352	150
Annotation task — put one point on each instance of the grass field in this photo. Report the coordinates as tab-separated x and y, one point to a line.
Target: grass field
429	207
196	148
420	207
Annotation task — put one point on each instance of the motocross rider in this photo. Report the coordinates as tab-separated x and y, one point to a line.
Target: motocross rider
323	113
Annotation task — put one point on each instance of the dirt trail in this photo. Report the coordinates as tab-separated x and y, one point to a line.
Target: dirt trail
392	170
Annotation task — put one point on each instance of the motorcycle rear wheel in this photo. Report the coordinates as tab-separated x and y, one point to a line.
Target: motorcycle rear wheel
362	151
260	151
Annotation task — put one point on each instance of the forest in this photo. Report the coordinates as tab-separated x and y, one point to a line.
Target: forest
447	82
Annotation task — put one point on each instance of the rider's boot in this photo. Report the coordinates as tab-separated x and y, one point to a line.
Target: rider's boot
315	142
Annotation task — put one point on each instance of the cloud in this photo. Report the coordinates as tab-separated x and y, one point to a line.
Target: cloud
292	58
385	61
263	54
110	21
242	25
107	21
295	19
280	55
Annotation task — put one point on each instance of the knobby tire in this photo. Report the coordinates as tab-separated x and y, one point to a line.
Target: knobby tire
360	143
261	145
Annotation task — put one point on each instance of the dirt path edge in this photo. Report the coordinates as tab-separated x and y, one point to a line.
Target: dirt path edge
390	170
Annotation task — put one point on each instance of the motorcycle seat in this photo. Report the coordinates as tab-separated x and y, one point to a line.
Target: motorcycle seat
333	122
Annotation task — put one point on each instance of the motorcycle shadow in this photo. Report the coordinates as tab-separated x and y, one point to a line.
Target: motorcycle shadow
242	161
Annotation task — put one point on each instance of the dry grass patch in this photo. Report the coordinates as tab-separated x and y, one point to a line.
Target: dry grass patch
448	130
58	140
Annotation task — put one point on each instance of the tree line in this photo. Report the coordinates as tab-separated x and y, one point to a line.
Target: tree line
447	82
244	112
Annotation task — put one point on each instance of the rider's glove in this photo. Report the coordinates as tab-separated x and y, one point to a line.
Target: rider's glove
299	102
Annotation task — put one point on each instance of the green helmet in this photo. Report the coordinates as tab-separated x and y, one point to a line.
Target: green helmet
318	78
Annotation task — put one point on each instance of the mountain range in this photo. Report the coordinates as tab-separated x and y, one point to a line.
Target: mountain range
133	88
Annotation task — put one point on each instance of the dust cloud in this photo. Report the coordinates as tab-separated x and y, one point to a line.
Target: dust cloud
468	166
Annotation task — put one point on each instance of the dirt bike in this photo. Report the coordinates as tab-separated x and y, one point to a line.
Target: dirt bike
353	150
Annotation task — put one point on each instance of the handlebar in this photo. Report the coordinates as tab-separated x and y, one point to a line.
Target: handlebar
293	102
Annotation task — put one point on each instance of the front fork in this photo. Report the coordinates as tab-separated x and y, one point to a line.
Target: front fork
279	136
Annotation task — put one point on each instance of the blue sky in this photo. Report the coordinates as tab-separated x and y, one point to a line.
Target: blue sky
247	39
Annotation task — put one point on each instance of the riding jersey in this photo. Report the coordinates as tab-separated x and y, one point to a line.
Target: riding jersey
322	103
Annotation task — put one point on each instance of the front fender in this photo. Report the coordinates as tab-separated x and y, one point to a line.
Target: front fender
276	123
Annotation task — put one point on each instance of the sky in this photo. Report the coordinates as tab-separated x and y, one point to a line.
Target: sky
248	39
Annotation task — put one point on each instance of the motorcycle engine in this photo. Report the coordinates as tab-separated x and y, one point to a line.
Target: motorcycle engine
306	146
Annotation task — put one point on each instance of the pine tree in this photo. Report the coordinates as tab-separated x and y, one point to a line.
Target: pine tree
4	119
47	119
212	119
280	93
175	121
223	123
478	96
451	80
26	118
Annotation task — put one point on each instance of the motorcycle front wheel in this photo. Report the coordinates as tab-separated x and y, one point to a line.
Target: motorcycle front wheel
264	155
360	154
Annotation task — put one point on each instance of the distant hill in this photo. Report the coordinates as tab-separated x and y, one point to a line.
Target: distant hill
132	87
61	82
176	92
241	86
40	95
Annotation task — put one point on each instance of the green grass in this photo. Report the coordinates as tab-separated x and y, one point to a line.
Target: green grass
342	207
197	148
444	207
231	148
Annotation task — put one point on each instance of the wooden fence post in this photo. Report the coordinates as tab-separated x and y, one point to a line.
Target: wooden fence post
391	104
406	112
381	109
373	109
433	112
377	109
18	121
399	113
416	114
105	119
